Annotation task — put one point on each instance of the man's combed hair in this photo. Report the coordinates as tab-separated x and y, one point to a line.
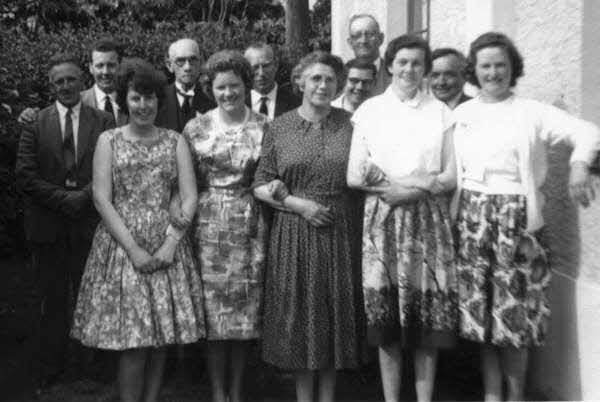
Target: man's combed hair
62	58
106	45
140	76
361	65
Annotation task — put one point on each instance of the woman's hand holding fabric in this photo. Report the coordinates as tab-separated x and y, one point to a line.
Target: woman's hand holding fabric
316	214
143	261
580	185
166	253
397	193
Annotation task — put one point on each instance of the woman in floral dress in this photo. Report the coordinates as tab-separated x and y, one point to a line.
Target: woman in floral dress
228	234
313	318
402	156
140	290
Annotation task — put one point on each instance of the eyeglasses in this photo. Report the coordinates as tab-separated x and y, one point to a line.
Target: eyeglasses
369	35
180	61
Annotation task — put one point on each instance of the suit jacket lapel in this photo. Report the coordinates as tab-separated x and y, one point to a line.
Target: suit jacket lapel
83	135
53	135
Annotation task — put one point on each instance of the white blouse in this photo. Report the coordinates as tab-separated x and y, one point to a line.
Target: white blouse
501	147
401	138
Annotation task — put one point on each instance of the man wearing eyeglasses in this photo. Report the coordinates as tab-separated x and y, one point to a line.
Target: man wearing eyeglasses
184	99
359	85
365	38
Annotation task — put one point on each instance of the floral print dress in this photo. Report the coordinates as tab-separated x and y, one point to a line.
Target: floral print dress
118	307
229	234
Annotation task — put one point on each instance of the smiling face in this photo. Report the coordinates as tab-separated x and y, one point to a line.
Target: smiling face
365	38
359	85
318	84
229	91
65	80
142	108
446	77
103	68
407	69
493	71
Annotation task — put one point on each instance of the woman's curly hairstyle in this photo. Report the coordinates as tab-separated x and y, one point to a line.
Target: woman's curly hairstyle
228	60
494	39
326	58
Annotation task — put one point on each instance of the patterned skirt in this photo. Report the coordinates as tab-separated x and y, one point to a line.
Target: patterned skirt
120	308
503	272
230	239
409	273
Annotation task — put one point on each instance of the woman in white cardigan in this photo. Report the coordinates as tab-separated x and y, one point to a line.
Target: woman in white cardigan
501	144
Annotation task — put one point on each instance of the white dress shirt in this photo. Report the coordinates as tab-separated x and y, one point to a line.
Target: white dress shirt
190	92
101	98
62	115
255	98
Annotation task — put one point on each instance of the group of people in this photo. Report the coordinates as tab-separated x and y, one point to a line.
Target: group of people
350	207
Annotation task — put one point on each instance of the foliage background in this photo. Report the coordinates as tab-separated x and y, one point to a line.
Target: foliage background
33	30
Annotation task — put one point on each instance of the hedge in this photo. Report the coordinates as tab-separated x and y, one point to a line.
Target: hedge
24	82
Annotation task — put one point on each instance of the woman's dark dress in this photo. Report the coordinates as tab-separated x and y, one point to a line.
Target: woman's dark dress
313	312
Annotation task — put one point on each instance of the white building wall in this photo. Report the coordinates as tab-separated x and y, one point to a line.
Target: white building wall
559	40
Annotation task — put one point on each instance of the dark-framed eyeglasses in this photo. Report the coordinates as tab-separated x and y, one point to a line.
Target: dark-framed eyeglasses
180	61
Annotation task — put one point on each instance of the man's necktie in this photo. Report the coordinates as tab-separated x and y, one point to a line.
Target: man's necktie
108	107
263	106
69	151
186	109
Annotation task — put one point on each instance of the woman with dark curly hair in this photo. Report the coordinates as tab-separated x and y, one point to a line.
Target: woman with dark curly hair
403	158
313	318
501	147
140	290
228	234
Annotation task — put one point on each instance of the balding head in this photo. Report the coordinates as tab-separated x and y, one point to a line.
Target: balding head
365	37
184	61
264	66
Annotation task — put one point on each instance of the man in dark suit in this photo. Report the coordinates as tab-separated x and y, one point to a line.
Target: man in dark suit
447	77
365	38
54	172
105	57
266	96
184	99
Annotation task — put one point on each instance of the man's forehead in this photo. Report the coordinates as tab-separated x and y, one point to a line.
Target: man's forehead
447	62
62	70
98	55
364	24
259	55
183	49
360	73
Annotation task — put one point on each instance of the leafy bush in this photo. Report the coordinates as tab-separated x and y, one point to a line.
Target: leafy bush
24	53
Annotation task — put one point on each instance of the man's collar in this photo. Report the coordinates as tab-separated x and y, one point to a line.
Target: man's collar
101	95
378	63
62	109
183	92
255	95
